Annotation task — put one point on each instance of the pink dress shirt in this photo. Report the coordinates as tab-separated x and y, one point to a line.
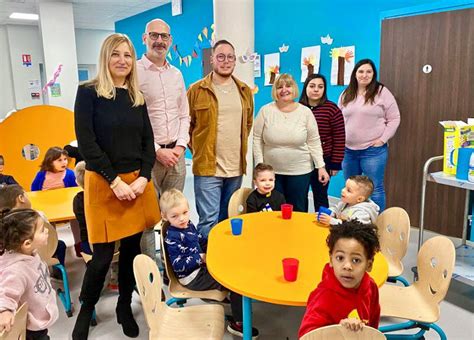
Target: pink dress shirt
365	123
166	101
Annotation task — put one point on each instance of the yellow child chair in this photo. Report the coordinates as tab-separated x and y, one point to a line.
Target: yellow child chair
419	303
338	332
18	331
194	322
46	254
394	231
238	202
178	292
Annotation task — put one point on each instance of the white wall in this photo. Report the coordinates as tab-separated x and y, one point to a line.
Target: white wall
88	44
16	40
7	100
24	39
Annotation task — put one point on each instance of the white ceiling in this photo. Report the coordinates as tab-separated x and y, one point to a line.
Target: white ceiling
87	14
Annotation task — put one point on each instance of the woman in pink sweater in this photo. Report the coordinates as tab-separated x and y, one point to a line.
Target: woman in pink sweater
372	117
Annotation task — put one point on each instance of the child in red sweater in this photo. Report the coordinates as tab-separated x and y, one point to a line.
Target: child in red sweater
346	295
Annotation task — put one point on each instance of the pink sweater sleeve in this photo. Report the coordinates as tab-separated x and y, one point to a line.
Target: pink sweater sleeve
392	114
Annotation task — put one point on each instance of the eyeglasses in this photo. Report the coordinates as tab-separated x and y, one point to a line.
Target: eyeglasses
155	35
222	57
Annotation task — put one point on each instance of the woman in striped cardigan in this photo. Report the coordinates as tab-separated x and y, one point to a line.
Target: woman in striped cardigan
331	130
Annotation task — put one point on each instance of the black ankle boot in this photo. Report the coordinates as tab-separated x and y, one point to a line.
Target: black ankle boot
81	328
125	318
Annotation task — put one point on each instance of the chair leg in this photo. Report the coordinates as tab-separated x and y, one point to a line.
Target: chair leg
178	301
65	295
394	279
404	326
438	330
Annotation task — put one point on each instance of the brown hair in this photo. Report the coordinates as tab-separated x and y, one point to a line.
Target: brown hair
373	89
8	196
261	167
365	234
304	96
51	155
364	182
16	226
221	42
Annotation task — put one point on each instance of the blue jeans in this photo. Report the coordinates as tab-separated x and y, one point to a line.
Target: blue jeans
295	188
370	162
212	196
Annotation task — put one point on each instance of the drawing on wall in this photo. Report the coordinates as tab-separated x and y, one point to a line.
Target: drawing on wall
342	64
257	67
55	90
327	40
271	66
309	61
26	60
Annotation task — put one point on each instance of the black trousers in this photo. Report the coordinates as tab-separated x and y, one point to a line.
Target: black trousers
320	191
37	335
97	268
204	281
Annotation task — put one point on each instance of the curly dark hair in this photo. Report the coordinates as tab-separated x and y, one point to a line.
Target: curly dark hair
365	234
16	226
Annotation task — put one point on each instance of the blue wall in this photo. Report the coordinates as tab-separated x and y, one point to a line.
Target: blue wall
185	28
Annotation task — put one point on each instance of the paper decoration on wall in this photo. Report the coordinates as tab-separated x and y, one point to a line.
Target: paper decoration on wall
257	67
309	61
283	48
326	40
342	64
248	57
254	89
55	90
271	66
55	77
202	41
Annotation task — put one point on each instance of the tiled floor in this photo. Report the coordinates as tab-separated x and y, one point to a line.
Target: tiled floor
274	322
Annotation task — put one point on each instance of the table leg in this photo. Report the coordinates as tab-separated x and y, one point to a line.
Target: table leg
247	317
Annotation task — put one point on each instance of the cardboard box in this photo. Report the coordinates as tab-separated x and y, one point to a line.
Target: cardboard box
457	134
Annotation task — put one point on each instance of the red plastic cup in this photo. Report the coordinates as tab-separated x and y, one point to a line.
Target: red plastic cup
286	210
290	269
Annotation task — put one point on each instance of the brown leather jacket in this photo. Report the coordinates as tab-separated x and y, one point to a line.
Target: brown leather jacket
203	109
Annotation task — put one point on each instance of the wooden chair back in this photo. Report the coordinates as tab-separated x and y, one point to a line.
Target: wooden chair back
46	253
148	280
176	289
338	332
238	202
435	264
18	331
394	232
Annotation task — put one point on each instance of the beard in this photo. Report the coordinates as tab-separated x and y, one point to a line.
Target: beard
223	74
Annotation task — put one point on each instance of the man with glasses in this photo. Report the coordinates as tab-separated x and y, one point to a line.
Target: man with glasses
221	108
165	95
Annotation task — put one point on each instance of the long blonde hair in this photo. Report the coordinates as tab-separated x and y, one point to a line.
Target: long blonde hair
103	82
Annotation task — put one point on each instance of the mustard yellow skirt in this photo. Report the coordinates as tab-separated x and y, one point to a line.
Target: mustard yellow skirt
109	219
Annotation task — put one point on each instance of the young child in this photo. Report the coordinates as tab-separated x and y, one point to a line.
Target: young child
354	203
186	249
54	173
23	275
346	295
13	197
5	179
264	198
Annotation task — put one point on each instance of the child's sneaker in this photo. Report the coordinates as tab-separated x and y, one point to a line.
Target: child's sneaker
236	328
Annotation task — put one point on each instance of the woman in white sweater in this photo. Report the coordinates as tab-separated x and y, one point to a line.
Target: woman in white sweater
286	136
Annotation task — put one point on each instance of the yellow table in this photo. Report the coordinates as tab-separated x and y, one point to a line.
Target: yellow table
250	264
55	204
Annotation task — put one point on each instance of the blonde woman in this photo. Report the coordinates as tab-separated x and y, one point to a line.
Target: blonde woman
116	140
286	136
